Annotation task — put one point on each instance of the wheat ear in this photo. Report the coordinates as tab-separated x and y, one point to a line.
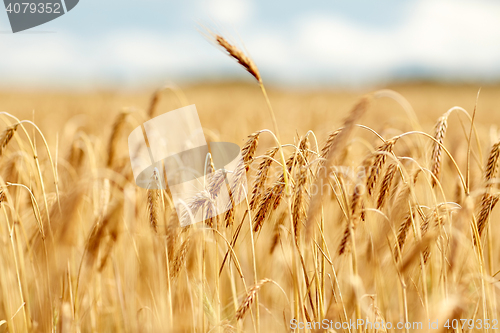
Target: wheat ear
401	236
356	113
154	200
115	136
378	164
6	136
249	148
439	135
386	185
298	205
488	202
262	175
245	305
239	56
492	164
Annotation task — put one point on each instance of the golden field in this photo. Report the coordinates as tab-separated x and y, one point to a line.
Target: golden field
78	252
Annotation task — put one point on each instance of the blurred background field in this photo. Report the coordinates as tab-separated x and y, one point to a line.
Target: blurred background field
232	110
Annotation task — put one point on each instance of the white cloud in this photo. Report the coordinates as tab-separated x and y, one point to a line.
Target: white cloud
230	12
440	35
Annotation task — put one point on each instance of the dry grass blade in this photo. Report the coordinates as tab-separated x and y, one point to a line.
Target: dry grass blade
245	305
439	135
240	57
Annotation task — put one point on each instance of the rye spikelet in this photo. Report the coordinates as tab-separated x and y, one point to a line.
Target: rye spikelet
115	137
240	57
488	202
439	135
247	302
262	175
249	148
386	185
378	164
492	164
6	136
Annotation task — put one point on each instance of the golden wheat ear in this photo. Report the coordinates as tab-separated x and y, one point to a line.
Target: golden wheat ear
6	136
439	135
234	52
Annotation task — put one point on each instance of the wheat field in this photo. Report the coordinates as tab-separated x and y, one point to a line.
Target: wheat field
375	205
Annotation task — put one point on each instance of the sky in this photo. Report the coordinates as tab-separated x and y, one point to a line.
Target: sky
133	43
